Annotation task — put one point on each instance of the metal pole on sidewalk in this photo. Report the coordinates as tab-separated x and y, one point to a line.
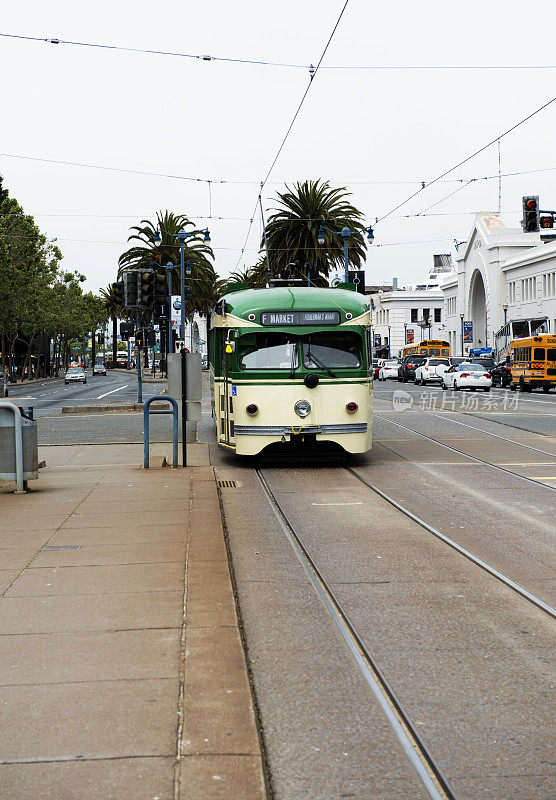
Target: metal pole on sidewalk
183	407
138	351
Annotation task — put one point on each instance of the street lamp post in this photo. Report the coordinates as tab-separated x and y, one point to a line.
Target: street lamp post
345	233
182	237
461	321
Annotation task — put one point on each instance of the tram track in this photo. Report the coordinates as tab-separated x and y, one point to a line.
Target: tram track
425	766
475	458
504	579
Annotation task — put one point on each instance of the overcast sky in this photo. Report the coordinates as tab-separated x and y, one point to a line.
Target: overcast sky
367	129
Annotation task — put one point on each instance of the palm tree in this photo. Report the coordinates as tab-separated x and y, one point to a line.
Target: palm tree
253	277
292	231
114	311
167	250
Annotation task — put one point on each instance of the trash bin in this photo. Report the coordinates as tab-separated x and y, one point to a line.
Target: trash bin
19	454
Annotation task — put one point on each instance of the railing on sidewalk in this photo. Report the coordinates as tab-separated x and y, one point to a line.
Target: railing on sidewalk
146	413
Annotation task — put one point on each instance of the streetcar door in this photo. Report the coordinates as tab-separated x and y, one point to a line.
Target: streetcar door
228	389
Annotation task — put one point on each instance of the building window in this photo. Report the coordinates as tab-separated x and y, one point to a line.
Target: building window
426	313
437	315
414	314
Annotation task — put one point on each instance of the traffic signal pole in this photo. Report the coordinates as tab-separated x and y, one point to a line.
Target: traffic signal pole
138	351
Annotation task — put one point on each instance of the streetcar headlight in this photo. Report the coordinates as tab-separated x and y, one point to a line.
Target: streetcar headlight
302	408
252	409
352	407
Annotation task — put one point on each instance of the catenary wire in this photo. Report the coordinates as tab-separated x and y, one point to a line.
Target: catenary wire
252	182
208	57
468	158
288	131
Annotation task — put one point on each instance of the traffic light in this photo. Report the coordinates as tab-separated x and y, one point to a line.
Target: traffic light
160	292
150	337
139	338
188	293
101	338
146	289
130	288
531	220
126	329
118	289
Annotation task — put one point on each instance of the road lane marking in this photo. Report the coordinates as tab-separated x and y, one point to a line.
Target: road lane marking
113	390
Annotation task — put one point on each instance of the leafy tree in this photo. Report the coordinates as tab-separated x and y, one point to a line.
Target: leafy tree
38	301
292	231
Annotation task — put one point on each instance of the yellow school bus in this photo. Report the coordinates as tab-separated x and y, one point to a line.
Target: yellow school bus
428	347
534	363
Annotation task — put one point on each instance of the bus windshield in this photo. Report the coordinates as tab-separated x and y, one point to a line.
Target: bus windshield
331	348
268	351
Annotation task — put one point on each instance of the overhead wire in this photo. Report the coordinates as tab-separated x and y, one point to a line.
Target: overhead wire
465	160
223	181
288	131
287	65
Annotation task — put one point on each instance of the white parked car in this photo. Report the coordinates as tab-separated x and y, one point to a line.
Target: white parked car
75	374
99	369
431	369
467	376
388	369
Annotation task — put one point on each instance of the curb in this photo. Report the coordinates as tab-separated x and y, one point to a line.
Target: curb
111	408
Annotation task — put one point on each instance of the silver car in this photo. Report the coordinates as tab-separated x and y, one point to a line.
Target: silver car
75	375
99	369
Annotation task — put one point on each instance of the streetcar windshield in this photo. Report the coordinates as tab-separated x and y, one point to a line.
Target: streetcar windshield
332	349
268	351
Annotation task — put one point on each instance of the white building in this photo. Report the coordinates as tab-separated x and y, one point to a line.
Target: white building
503	276
411	314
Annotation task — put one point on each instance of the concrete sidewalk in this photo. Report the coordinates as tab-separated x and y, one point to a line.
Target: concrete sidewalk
122	672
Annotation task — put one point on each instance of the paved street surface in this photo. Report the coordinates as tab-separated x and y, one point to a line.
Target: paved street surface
93	636
115	386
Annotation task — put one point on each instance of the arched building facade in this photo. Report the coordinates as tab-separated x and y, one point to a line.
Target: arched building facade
502	274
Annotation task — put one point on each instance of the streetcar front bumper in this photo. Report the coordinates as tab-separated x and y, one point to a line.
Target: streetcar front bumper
296	430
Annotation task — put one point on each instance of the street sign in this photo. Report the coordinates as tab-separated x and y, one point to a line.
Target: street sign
177	305
357	276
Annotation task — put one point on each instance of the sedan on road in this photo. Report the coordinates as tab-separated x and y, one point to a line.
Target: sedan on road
502	374
99	369
431	369
408	366
75	375
467	376
389	369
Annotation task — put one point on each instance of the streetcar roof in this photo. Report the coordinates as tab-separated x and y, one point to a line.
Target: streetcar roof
299	298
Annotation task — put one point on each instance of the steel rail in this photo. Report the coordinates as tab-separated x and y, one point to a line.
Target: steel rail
467	455
488	433
414	748
516	587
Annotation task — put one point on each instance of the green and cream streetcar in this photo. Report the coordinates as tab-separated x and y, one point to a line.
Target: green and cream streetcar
291	364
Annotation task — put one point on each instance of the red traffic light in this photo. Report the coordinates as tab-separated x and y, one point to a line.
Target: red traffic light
531	204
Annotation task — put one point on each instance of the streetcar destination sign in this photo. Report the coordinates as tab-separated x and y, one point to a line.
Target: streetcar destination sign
300	318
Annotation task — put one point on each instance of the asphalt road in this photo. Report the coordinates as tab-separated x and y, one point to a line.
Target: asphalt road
51	395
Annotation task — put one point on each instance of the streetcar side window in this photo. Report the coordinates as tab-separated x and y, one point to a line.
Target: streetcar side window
332	349
268	351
